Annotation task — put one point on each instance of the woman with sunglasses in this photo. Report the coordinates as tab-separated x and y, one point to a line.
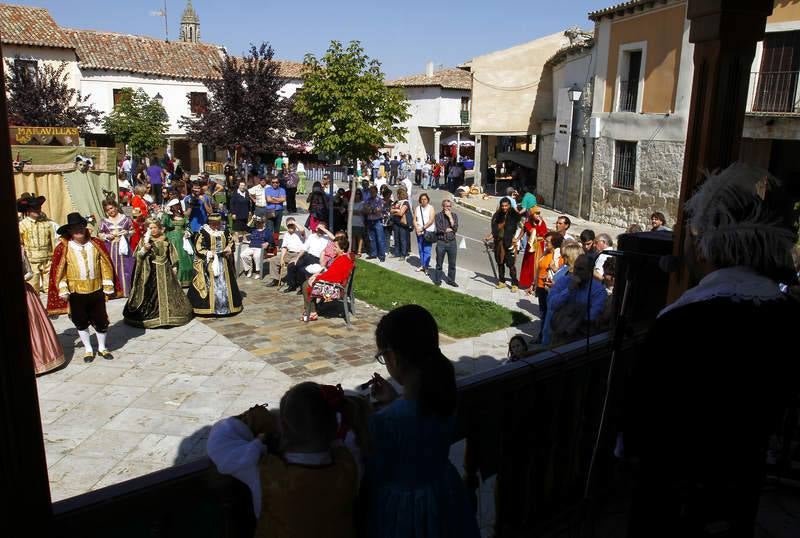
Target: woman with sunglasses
410	487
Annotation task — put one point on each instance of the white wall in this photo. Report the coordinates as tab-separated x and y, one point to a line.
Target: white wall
450	106
423	106
575	70
175	92
101	86
46	55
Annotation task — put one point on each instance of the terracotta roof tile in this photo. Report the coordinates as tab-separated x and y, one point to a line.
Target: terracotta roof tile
567	51
624	8
454	79
289	69
141	54
21	25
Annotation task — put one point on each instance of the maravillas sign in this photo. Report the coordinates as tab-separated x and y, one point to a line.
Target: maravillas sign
45	136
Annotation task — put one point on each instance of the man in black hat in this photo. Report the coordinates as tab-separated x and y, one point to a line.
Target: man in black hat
37	234
80	278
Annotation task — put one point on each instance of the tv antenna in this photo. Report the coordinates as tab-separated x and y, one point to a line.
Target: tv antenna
163	13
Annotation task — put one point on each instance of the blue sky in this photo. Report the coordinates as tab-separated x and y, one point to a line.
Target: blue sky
403	38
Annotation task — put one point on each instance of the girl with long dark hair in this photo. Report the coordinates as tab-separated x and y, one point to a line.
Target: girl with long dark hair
410	487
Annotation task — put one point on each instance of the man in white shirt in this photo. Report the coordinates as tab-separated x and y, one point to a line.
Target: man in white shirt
312	250
602	242
259	198
126	168
562	226
291	248
417	171
426	175
376	166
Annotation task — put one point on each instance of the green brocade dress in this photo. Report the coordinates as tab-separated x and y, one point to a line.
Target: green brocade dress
156	298
175	228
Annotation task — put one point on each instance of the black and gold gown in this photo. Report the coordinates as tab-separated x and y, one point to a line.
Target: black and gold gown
214	291
156	298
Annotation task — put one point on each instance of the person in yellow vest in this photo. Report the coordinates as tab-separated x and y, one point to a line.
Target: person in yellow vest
37	235
80	278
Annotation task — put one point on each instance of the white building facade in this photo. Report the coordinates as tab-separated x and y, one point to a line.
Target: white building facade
439	104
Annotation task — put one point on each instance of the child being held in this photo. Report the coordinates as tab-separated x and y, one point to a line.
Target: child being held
303	481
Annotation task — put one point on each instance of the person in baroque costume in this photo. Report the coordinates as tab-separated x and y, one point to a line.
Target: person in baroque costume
81	277
116	230
156	298
717	374
176	226
214	291
38	236
45	347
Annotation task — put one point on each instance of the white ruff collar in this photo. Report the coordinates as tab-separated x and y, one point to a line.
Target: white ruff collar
213	232
733	283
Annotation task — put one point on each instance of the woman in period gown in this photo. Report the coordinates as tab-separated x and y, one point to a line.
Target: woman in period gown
116	230
177	231
156	298
214	291
45	347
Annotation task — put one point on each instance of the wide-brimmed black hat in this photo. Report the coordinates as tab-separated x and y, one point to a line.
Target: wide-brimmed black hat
28	201
73	219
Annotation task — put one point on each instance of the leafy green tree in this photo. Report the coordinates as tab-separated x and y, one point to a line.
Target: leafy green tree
345	107
139	121
42	97
246	110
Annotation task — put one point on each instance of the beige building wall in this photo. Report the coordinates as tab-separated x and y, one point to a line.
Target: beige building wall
508	96
46	56
785	11
662	30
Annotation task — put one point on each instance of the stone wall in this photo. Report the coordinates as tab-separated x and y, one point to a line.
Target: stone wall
562	194
659	166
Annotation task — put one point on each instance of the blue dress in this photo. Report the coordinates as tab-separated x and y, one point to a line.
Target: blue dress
411	488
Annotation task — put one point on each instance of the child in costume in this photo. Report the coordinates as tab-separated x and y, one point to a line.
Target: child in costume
303	482
38	236
80	279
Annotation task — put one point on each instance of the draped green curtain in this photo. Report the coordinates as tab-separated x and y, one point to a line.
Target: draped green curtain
86	190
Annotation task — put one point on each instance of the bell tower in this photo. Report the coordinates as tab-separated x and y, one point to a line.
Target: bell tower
190	25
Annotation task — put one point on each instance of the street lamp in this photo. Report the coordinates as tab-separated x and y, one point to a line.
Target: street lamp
574	93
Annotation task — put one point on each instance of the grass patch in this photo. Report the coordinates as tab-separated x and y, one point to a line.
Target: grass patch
459	315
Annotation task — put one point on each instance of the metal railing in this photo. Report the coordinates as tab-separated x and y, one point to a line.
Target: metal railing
628	96
774	92
625	165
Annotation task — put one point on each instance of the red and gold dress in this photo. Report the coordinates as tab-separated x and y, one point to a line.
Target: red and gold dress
533	250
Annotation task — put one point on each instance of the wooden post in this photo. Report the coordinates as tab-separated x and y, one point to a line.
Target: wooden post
23	466
724	33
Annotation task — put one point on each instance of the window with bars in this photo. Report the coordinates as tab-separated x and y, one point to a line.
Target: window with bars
199	102
625	165
629	82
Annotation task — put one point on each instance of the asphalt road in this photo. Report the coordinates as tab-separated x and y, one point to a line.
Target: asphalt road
472	227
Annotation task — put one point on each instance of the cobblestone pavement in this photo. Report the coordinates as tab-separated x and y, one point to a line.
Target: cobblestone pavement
270	328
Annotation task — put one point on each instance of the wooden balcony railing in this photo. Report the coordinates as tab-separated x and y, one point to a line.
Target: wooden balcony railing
774	93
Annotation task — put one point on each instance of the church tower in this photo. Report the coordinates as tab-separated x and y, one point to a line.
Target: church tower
190	24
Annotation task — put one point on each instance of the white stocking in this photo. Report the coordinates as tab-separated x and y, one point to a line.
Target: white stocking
87	341
101	341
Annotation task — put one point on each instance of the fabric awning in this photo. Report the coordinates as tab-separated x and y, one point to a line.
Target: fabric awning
524	158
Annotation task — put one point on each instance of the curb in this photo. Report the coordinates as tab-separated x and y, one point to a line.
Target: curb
473	207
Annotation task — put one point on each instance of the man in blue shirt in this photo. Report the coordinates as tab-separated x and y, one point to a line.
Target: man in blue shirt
154	173
276	197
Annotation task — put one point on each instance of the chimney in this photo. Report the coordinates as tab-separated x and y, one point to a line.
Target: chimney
429	69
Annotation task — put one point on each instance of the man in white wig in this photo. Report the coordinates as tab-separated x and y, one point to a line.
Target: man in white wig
719	365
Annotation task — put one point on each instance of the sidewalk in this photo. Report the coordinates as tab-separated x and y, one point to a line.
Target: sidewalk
489	206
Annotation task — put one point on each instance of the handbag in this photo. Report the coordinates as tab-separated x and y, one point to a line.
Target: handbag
428	237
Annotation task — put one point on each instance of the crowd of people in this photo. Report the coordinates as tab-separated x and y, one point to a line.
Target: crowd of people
571	278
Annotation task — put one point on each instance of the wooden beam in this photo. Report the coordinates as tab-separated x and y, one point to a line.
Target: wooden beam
724	33
23	466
